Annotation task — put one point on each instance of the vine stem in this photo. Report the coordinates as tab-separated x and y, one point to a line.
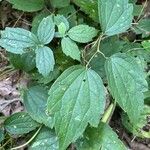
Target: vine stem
25	144
97	51
108	113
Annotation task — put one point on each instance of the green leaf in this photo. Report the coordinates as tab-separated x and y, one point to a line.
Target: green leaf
15	40
1	135
48	79
70	13
115	16
46	139
62	29
143	27
82	33
70	48
44	60
127	83
108	46
35	99
60	3
27	5
89	7
137	9
62	24
136	50
24	62
61	19
132	1
146	45
46	30
103	138
37	20
137	129
20	123
75	97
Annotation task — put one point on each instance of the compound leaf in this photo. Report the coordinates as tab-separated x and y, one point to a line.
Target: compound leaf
20	123
82	33
102	138
44	60
35	100
15	40
46	30
115	16
70	48
127	83
75	97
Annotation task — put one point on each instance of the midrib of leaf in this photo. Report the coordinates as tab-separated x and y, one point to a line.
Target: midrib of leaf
20	122
23	34
115	82
126	88
74	103
117	22
116	29
15	40
89	86
109	16
47	36
45	60
64	91
89	104
123	84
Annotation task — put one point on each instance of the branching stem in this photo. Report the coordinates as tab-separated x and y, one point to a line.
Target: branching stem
98	41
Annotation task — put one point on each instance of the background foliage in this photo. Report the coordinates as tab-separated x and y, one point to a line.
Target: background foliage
85	60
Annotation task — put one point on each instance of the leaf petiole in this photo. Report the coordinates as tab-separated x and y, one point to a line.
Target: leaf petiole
30	140
108	113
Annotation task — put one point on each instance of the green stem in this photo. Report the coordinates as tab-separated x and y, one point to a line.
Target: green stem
25	144
98	41
145	134
108	113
